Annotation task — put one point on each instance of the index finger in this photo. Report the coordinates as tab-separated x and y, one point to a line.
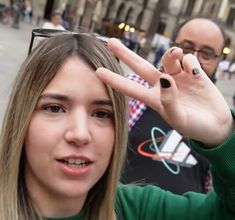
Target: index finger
139	65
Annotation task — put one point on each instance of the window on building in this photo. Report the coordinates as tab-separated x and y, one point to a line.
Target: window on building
189	9
231	17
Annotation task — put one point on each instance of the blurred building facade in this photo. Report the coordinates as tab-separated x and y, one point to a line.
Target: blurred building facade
150	16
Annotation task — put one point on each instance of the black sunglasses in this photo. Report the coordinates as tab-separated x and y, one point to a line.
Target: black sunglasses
46	33
41	32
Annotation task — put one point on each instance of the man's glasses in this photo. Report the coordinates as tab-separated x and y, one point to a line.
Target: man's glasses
205	54
41	33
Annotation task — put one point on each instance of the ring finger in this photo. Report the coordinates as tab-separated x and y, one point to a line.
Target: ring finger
172	61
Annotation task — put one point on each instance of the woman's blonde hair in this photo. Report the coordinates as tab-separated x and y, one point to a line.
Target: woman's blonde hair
35	73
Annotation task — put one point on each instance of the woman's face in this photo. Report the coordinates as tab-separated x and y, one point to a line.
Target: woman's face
69	140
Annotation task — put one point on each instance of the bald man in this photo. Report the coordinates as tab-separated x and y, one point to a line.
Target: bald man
203	38
183	170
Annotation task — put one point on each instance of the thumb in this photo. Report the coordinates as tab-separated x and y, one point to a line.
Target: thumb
173	112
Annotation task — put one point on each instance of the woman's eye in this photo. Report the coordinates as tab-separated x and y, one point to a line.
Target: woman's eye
54	108
102	114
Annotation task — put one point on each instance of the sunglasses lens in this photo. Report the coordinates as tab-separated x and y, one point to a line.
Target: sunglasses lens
40	34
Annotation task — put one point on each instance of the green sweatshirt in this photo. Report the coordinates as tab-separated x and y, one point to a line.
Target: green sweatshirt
152	203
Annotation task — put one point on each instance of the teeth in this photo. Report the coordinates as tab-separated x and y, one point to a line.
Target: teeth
76	163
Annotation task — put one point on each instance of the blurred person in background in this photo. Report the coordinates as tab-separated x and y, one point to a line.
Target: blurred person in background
55	23
158	55
223	68
141	42
231	69
27	12
17	8
149	134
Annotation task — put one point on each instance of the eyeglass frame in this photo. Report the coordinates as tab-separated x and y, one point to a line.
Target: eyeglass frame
42	32
46	33
195	50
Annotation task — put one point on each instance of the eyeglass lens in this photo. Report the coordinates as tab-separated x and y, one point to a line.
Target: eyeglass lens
205	53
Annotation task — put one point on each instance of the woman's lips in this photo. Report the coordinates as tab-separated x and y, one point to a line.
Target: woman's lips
75	166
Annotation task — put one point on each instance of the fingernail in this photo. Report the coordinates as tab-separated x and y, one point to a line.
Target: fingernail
164	83
172	50
195	71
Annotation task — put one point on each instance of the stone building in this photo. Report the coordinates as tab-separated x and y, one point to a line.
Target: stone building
151	16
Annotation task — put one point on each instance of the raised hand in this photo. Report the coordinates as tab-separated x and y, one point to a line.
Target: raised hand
183	95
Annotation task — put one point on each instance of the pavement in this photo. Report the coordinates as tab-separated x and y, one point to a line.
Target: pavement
14	45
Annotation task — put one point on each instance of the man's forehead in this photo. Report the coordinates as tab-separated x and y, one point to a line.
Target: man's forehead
203	32
203	23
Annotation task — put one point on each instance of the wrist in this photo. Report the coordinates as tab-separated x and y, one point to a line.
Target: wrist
223	132
226	131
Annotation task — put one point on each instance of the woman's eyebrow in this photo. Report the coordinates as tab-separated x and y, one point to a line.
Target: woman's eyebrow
103	102
54	96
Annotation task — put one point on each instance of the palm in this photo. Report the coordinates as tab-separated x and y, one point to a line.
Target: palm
199	111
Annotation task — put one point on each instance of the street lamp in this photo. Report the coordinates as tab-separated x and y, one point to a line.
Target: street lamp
226	50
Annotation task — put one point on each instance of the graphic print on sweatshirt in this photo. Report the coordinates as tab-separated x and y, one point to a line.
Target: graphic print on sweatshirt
168	148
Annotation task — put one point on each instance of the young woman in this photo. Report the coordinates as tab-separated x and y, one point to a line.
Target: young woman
63	138
62	133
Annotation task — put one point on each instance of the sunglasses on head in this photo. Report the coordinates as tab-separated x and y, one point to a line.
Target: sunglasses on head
46	33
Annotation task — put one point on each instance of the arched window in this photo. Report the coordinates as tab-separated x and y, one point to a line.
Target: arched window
129	15
189	9
231	18
110	9
139	19
120	12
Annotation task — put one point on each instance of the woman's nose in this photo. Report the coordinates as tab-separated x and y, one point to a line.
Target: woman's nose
78	132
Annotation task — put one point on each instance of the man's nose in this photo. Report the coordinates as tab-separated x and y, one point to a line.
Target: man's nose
78	130
195	53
